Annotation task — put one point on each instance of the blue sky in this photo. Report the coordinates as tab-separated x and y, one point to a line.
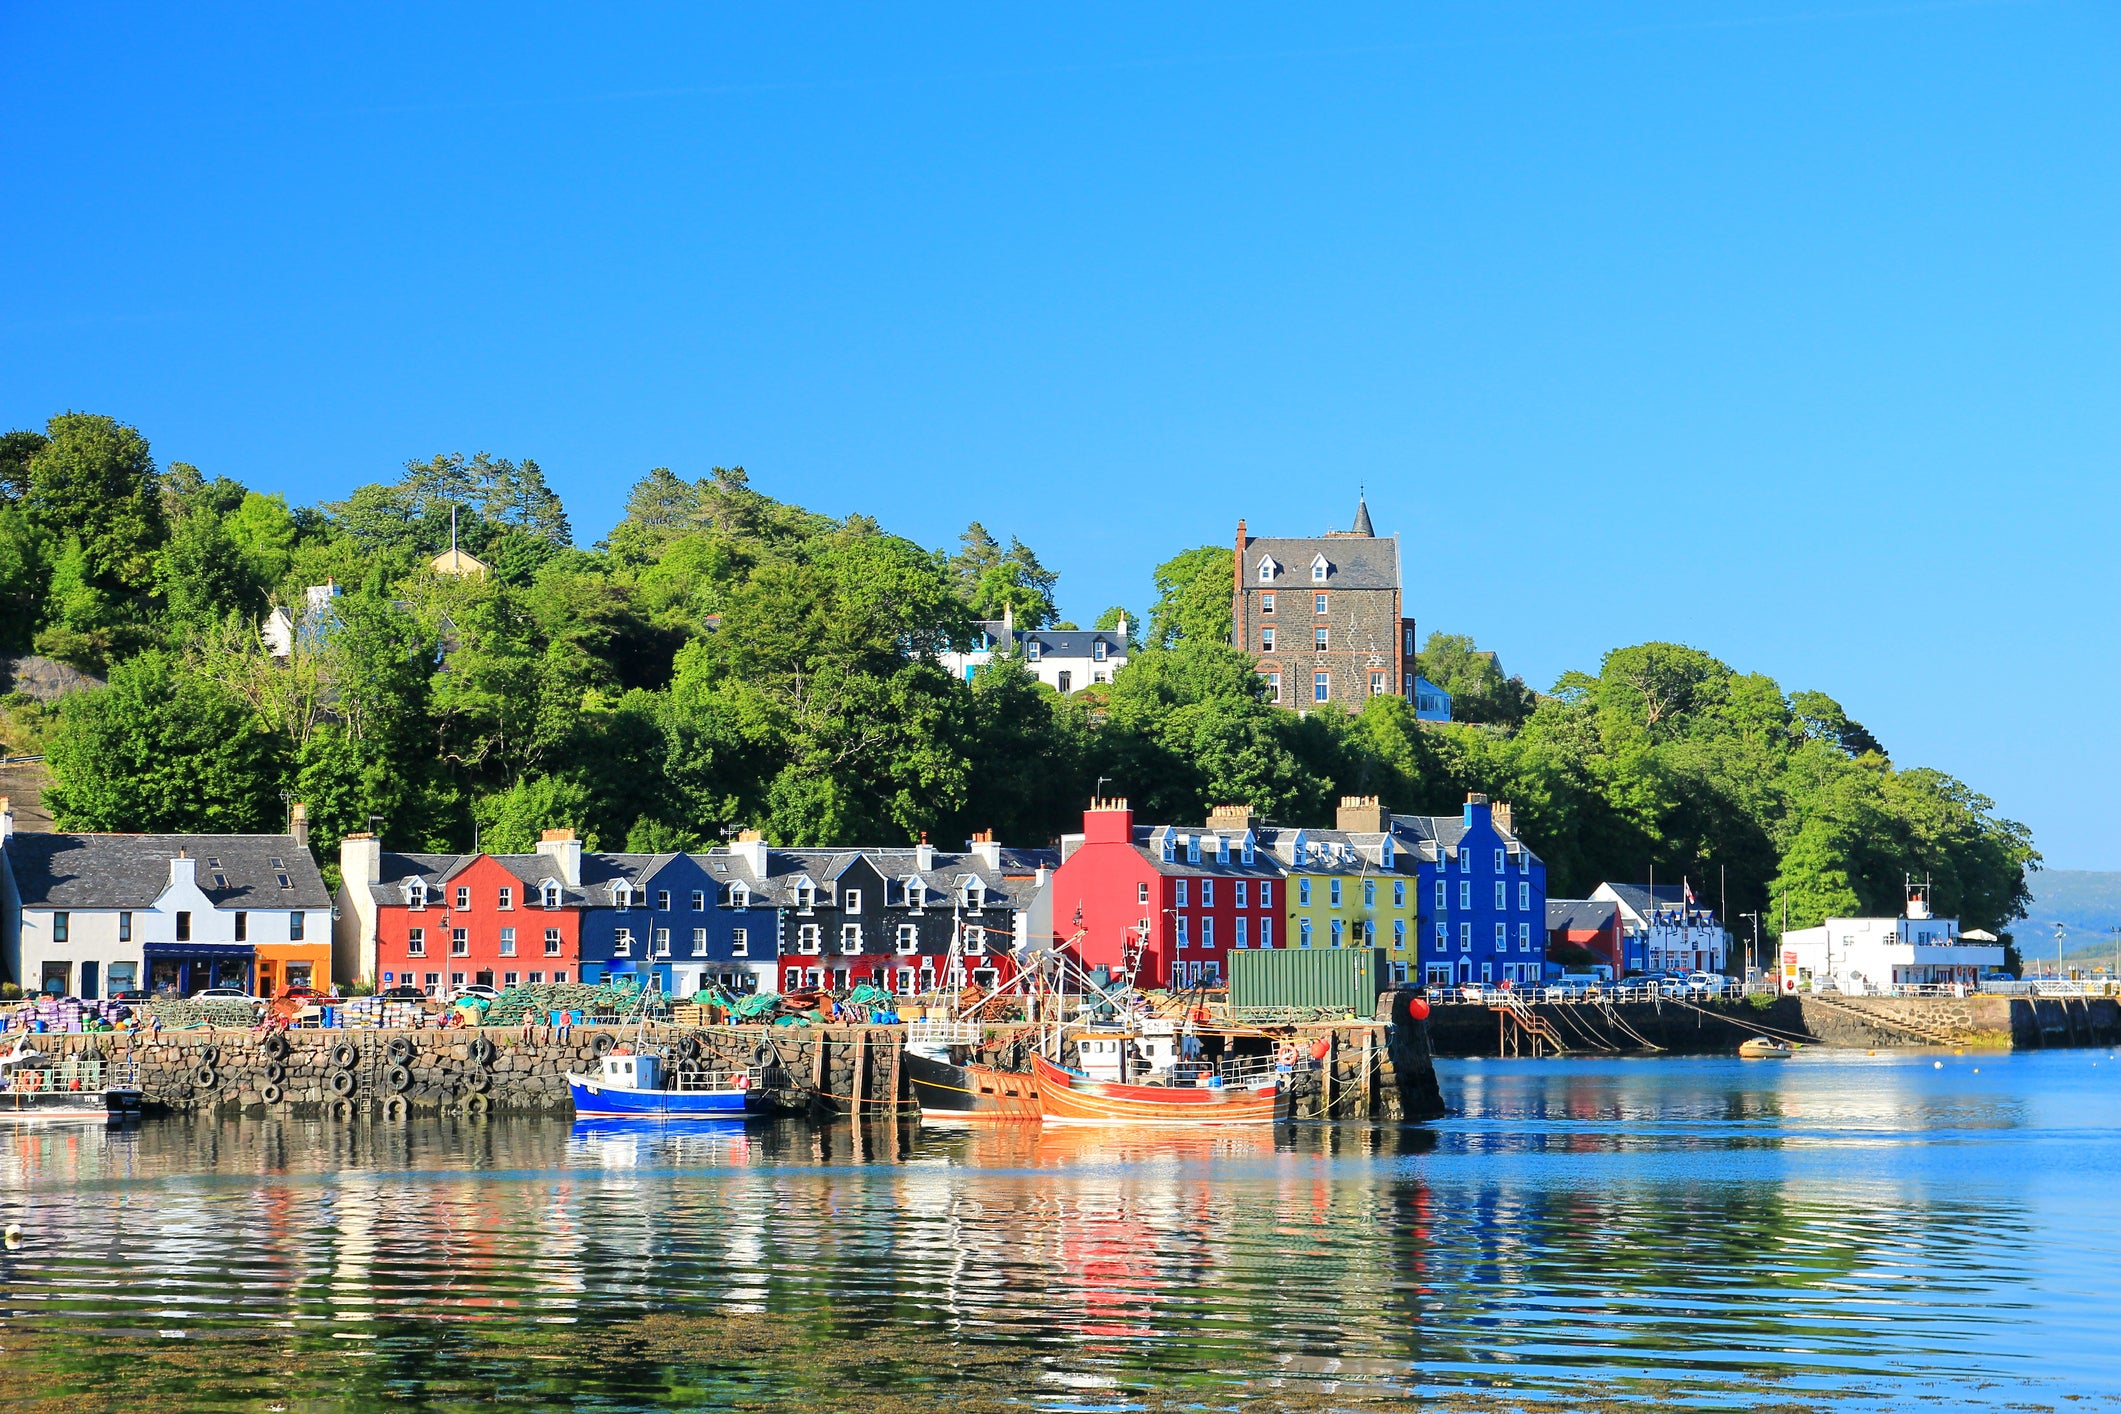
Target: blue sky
1788	330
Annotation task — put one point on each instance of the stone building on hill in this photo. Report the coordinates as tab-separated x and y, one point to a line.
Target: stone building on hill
1322	618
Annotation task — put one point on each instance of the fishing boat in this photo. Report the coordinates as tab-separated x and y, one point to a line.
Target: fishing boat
952	1089
639	1086
1205	1097
34	1086
1765	1048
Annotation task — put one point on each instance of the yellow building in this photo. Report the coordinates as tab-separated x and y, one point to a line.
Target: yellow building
1350	887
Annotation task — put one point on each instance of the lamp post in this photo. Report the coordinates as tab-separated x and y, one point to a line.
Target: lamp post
2060	932
1752	958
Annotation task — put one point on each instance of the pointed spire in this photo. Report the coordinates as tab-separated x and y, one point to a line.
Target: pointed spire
1362	514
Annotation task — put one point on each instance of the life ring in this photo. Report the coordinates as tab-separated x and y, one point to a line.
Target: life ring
1285	1056
741	1082
343	1083
274	1045
345	1054
399	1079
269	1093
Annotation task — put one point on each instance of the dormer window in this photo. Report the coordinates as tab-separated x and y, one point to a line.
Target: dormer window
1384	852
805	895
1247	852
1267	569
1222	850
916	895
1097	650
1192	849
416	894
1319	569
1032	649
549	894
975	895
740	895
622	895
1170	849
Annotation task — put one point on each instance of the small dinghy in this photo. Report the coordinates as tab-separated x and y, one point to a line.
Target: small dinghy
1765	1048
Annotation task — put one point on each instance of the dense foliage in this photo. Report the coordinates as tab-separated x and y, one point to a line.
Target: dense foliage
725	660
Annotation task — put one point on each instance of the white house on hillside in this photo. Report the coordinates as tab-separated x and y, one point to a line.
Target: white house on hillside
1066	659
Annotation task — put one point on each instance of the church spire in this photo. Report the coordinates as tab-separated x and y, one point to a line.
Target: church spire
1362	515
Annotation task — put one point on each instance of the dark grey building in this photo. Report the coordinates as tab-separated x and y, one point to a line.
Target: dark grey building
1321	616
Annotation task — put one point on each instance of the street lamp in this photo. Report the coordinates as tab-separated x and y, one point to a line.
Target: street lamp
2060	932
1752	959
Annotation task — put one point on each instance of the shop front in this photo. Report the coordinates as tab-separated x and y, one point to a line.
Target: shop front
284	965
180	969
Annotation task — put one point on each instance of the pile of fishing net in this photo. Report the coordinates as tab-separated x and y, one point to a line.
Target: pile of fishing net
180	1014
596	1001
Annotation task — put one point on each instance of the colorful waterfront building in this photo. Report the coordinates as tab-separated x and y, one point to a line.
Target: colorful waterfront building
668	919
1576	926
1354	886
90	915
1166	904
440	922
1483	896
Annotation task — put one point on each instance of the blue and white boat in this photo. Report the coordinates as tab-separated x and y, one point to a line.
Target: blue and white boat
640	1087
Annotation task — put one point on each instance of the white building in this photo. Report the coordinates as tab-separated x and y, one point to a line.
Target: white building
282	630
1667	930
1877	956
1065	659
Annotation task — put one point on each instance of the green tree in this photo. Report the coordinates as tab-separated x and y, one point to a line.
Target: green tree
94	482
24	576
1194	594
1479	691
263	531
17	450
995	580
162	749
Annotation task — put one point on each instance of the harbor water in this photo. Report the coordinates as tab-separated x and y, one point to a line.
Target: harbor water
1833	1232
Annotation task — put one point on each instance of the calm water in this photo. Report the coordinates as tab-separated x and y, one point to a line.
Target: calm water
1833	1232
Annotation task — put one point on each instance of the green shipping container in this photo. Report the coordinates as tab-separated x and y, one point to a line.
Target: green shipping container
1308	979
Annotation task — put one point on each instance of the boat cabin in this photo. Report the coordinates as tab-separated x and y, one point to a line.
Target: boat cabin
633	1072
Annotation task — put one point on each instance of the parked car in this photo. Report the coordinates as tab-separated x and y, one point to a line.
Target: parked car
1707	983
222	994
135	995
302	994
479	989
401	994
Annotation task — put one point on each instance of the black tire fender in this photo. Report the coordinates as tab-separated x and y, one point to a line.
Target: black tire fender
344	1054
602	1043
275	1046
343	1084
275	1073
402	1049
399	1079
482	1051
270	1093
478	1082
206	1078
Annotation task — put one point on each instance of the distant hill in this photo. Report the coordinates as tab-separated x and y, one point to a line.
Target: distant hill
2086	902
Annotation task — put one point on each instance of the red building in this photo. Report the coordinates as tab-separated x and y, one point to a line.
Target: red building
1589	924
1166	903
447	921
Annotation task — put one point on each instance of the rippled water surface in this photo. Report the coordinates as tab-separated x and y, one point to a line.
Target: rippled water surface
1832	1232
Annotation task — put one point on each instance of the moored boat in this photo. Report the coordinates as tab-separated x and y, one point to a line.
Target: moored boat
34	1086
1066	1097
953	1089
639	1087
1765	1048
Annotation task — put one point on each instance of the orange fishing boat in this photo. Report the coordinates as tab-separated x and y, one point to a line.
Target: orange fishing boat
1065	1097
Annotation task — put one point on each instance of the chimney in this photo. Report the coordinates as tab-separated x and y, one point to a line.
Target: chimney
1232	817
563	849
1108	822
1361	814
1008	643
985	848
7	820
1122	630
1504	821
353	929
298	824
750	847
183	870
1476	807
924	854
361	858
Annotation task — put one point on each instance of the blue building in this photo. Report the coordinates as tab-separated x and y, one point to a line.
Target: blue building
1431	703
676	919
1483	896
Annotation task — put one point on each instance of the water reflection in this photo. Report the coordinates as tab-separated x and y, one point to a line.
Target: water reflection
1671	1233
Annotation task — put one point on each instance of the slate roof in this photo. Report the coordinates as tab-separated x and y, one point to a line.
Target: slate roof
438	869
1365	846
945	875
130	871
1149	842
1581	915
1354	561
1637	897
1434	833
1075	642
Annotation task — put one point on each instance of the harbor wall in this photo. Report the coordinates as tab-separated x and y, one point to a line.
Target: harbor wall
1857	1023
825	1072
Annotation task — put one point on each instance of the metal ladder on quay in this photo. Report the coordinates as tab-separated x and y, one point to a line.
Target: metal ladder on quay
1520	1029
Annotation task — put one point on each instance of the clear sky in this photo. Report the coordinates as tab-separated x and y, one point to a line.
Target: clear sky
1784	328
